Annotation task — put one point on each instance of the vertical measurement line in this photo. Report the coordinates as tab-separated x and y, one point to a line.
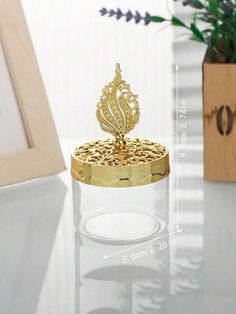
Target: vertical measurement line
177	144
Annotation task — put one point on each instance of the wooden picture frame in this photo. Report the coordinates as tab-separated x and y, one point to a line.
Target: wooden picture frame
43	157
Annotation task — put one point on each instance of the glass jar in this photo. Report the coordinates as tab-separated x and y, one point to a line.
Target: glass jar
122	203
123	181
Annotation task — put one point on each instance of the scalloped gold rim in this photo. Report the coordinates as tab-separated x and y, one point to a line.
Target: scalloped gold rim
120	176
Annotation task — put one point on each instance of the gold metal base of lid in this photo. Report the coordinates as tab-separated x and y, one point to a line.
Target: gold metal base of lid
100	163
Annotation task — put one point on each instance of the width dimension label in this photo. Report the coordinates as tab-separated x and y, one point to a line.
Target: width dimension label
158	246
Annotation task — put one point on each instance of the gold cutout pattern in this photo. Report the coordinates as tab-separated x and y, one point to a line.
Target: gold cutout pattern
118	109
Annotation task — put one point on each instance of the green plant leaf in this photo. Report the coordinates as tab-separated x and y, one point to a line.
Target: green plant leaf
214	36
213	6
177	22
193	37
197	4
198	34
206	30
157	19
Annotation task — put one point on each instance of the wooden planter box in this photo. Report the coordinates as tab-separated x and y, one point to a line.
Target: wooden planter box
219	112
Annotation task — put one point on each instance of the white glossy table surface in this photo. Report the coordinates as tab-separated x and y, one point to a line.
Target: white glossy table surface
46	267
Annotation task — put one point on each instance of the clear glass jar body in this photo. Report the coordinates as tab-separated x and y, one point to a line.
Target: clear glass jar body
121	215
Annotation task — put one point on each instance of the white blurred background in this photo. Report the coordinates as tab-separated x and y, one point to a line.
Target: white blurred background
77	50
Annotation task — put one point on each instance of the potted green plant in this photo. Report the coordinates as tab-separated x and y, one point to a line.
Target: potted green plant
218	32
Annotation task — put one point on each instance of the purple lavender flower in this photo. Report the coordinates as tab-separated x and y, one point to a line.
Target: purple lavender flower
137	17
187	2
227	8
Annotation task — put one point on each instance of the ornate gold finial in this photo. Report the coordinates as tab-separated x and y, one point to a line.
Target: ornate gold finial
118	72
118	109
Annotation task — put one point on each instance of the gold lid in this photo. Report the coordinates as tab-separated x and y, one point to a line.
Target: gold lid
119	162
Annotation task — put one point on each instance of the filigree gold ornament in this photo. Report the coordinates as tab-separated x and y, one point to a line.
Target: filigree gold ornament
118	109
137	151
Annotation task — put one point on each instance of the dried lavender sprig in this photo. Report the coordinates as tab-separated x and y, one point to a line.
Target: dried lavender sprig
227	8
137	17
